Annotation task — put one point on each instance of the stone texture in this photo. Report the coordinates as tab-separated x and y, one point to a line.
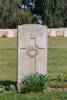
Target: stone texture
53	33
49	30
10	33
60	32
32	50
65	33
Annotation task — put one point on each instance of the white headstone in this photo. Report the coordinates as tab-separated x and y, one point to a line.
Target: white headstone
32	50
65	32
10	33
53	33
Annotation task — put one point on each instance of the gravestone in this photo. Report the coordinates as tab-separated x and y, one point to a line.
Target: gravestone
10	33
53	33
65	32
32	50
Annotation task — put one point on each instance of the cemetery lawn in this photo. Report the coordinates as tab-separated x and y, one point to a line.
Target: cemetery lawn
35	96
57	60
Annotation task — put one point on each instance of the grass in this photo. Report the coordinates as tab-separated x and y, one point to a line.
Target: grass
57	61
8	59
57	58
57	65
37	96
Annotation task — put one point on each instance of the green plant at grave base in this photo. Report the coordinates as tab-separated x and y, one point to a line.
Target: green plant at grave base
11	87
2	89
4	36
34	83
8	86
60	81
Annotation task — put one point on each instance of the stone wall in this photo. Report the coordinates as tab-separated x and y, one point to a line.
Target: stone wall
55	32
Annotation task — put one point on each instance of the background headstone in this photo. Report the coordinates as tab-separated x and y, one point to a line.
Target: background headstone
10	33
59	32
53	33
65	32
32	50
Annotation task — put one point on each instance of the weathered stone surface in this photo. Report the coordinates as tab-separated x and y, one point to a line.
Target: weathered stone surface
49	30
65	32
10	33
32	50
53	33
59	32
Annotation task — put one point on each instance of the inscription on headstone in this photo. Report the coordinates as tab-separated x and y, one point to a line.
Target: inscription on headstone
32	50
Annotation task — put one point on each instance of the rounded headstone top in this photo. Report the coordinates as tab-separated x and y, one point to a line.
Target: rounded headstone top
31	25
33	29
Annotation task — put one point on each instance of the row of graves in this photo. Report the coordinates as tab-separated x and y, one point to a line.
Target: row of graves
58	32
55	32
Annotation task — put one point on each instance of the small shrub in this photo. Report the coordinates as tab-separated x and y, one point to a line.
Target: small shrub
4	36
11	87
34	83
2	89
